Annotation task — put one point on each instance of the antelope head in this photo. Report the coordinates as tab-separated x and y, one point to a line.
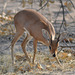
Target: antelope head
53	48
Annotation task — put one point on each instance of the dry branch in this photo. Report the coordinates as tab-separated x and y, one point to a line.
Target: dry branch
43	5
67	46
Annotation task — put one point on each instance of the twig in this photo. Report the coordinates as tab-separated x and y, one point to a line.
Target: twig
57	16
68	46
43	5
65	47
5	25
40	2
5	4
5	48
63	21
10	22
69	14
72	4
62	6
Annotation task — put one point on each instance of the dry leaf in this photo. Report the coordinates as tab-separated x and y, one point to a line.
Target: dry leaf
69	54
45	59
63	55
53	65
65	24
3	33
23	3
32	65
67	50
41	66
21	68
51	1
66	40
11	16
5	29
48	5
30	1
72	65
52	60
13	74
12	33
19	57
8	11
9	19
70	39
65	3
68	5
27	67
48	67
68	59
0	31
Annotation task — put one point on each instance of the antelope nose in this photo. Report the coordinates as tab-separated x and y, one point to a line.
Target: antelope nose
54	55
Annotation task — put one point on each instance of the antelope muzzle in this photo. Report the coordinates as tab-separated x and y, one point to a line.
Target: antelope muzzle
54	55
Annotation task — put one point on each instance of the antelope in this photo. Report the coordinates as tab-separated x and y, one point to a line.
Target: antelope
33	22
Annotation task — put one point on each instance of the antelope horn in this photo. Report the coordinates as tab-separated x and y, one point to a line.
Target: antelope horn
51	38
58	60
58	38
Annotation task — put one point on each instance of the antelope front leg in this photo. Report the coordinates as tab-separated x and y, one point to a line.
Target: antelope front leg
35	49
17	36
23	45
57	59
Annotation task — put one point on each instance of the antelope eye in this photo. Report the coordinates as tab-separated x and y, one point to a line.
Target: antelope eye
50	47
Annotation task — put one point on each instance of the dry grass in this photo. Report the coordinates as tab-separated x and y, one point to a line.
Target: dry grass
44	64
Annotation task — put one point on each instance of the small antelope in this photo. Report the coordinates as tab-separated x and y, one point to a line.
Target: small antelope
33	22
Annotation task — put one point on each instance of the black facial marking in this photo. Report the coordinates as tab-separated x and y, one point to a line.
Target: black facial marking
54	55
50	47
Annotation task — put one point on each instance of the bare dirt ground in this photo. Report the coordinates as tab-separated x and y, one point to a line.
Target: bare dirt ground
45	64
